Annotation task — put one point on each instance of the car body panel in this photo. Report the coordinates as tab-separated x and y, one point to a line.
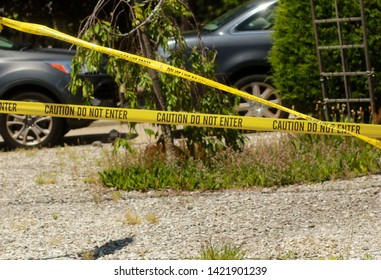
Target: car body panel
241	39
37	69
240	46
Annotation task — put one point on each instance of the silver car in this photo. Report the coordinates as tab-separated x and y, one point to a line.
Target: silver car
242	38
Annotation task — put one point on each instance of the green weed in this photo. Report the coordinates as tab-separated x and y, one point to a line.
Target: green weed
292	160
222	252
131	219
46	178
152	218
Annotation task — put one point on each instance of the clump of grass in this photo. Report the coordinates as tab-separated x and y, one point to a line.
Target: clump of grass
46	178
56	241
24	224
132	219
295	159
222	252
289	255
88	255
152	218
368	256
91	180
116	196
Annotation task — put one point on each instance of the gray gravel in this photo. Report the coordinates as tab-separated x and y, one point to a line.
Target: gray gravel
52	207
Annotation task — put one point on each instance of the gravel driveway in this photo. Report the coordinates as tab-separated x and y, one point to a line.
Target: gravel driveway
53	208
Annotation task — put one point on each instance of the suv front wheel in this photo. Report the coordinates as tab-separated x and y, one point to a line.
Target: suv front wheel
258	85
27	131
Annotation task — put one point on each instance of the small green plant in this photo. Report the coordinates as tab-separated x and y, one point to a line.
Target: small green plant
31	152
288	255
96	198
88	255
46	178
24	223
116	196
222	252
339	257
55	216
56	241
368	256
152	218
91	180
131	219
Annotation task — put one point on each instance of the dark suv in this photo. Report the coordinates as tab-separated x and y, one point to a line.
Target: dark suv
242	38
43	75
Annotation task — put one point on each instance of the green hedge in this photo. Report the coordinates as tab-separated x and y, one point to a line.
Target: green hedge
294	58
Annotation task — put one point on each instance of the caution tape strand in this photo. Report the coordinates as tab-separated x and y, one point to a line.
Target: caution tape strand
184	118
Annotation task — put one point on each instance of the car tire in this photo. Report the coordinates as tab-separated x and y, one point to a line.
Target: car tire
27	131
260	86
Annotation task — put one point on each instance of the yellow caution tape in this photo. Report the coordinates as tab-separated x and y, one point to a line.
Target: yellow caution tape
186	119
38	29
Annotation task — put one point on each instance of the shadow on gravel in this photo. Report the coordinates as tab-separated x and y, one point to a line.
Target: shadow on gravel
93	138
108	248
87	139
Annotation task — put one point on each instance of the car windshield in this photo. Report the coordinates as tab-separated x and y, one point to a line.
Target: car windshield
223	19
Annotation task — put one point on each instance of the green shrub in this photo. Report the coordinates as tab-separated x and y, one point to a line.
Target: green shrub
294	58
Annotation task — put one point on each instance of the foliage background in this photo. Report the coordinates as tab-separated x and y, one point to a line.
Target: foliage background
142	27
294	58
296	72
67	15
116	24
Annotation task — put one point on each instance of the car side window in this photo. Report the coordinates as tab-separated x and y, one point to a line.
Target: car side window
5	44
262	20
